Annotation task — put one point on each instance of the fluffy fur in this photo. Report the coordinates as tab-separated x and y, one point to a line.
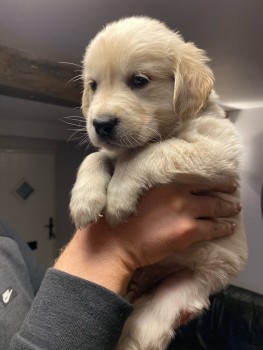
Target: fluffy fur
170	129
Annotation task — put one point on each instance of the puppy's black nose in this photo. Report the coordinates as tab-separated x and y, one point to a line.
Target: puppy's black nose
105	126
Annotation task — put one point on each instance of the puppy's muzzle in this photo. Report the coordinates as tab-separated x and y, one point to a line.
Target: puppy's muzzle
105	126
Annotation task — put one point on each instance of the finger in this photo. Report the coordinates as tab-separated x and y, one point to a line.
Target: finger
213	207
224	187
211	229
202	230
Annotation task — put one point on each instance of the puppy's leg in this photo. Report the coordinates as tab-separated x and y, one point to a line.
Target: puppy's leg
156	316
151	326
171	160
88	196
122	195
158	313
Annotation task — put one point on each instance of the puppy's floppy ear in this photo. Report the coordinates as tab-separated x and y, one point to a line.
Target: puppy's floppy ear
193	81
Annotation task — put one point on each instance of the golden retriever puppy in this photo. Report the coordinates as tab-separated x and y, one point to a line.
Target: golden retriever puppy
150	107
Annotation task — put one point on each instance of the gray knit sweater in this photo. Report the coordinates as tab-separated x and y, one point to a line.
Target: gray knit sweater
67	312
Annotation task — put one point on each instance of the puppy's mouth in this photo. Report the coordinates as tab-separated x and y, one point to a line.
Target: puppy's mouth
118	141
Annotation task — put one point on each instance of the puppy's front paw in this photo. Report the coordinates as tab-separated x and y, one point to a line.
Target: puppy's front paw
121	203
86	204
116	212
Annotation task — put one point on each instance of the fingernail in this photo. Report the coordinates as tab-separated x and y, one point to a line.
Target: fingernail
238	206
233	226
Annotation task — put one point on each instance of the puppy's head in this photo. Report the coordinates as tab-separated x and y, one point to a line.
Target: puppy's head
140	80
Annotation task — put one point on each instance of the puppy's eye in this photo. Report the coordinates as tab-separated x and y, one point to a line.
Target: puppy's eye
138	81
93	85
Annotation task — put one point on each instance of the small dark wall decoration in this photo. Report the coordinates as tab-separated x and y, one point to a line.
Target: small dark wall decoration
24	190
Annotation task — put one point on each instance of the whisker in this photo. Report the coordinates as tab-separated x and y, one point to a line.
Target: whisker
87	141
72	138
78	131
79	108
74	117
74	64
129	143
74	79
78	126
159	119
137	143
74	121
154	134
83	142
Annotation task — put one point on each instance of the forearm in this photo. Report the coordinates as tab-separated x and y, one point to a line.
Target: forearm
69	312
78	305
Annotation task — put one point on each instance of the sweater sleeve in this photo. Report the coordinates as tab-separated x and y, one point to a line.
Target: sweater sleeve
71	313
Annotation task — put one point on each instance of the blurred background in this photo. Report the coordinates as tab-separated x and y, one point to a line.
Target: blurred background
42	140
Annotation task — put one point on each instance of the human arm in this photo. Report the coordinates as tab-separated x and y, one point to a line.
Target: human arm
20	278
78	304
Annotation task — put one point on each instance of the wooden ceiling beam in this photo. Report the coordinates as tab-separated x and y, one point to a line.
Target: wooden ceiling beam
24	75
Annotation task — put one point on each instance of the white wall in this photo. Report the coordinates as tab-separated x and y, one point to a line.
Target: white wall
250	125
26	118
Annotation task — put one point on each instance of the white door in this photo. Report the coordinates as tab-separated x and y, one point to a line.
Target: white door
27	183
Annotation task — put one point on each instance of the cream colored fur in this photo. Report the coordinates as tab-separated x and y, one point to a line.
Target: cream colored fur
171	130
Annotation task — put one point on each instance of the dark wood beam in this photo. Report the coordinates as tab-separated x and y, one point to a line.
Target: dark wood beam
27	76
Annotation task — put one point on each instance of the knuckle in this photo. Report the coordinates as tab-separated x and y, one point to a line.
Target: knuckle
220	228
215	228
190	226
180	206
217	206
221	207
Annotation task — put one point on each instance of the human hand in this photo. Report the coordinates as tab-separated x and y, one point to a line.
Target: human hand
169	218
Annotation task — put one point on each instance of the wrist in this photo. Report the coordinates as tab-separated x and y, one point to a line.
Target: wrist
86	257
